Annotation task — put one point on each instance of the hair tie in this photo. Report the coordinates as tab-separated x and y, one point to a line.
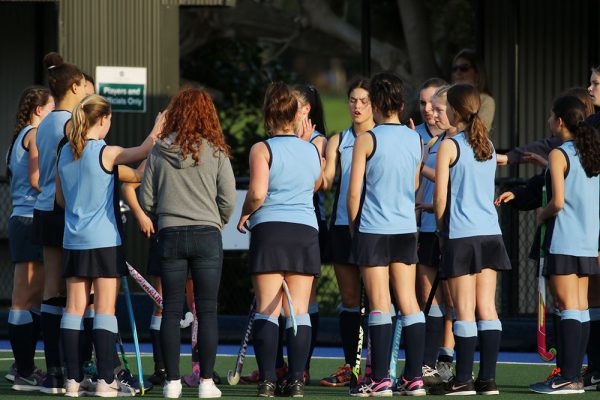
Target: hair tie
52	66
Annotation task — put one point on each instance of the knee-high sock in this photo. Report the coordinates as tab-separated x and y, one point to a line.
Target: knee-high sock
570	326
265	333
585	334
313	311
36	330
87	340
380	333
71	327
155	337
465	336
593	348
349	320
279	361
557	338
298	345
105	331
413	330
490	333
52	311
20	332
434	332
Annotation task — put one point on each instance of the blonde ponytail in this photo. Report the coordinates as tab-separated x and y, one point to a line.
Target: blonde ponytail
478	139
85	115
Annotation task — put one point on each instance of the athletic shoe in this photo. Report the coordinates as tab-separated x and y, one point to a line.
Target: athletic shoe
454	388
371	388
254	377
73	388
486	387
191	380
10	375
555	371
32	383
293	388
341	377
172	389
113	389
131	383
414	387
266	388
445	370
558	385
430	376
54	383
207	389
158	377
591	379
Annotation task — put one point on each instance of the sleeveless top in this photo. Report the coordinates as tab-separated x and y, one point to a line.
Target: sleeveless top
470	209
427	218
91	199
574	230
345	148
49	134
23	195
424	132
294	167
388	195
319	197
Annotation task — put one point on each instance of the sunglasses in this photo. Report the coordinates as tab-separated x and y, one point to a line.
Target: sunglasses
461	67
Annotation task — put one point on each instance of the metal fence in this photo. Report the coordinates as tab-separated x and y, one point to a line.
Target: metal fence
515	294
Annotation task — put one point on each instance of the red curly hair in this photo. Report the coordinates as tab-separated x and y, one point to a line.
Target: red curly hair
192	114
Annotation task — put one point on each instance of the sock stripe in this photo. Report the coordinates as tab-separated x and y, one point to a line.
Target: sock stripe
489	325
55	310
301	319
436	311
380	318
107	322
585	316
271	318
571	314
465	329
416	318
71	321
155	322
19	317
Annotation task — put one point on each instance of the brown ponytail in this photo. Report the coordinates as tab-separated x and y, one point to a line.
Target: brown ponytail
61	75
279	108
85	115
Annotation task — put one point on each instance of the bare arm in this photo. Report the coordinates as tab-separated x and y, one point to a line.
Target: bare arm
446	156
259	183
34	167
558	167
128	189
129	175
331	162
363	147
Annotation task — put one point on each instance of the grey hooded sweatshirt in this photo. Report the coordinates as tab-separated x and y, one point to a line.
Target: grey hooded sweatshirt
180	193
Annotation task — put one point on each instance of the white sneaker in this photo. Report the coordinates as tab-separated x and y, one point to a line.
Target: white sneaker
172	389
113	389
207	389
73	388
445	370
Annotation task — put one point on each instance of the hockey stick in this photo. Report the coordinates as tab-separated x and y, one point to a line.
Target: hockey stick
545	354
361	334
193	379
396	348
134	333
145	285
233	377
290	306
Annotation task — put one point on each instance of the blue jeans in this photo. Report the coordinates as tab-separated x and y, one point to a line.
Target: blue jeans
199	250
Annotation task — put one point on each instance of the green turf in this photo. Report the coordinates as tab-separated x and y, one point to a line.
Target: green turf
512	379
337	116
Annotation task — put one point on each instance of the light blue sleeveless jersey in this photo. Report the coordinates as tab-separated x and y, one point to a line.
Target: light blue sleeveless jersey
428	219
320	195
49	133
89	191
294	167
575	228
345	148
470	209
423	131
23	195
388	200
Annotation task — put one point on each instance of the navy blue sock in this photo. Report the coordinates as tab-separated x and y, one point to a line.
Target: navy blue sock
593	348
446	354
490	333
380	333
349	320
20	330
265	332
71	327
36	329
585	334
557	336
52	310
434	333
570	327
413	330
313	311
279	361
105	330
87	340
155	337
298	345
465	336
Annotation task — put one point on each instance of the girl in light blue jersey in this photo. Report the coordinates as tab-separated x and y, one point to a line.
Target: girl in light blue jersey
285	171
381	217
571	241
472	246
339	161
28	284
87	188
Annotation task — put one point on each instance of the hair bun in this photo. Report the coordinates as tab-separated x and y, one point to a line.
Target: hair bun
52	60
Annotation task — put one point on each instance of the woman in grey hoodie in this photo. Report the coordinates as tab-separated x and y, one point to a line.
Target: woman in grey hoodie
189	187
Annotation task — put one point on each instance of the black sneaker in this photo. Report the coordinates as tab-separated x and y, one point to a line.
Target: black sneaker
486	387
293	388
158	377
591	378
266	388
453	387
54	383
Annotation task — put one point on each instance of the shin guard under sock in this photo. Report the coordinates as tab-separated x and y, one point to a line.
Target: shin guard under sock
104	332
490	333
20	331
313	312
71	327
465	336
265	332
413	330
380	334
570	327
349	320
52	311
434	333
298	345
155	337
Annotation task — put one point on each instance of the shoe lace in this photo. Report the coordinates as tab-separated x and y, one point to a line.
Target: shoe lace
555	372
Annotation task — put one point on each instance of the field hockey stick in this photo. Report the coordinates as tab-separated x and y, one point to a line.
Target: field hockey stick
123	356
233	377
361	334
145	285
434	286
395	348
290	306
195	364
544	353
136	343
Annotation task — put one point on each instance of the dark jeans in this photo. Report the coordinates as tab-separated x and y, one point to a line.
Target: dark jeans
199	250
